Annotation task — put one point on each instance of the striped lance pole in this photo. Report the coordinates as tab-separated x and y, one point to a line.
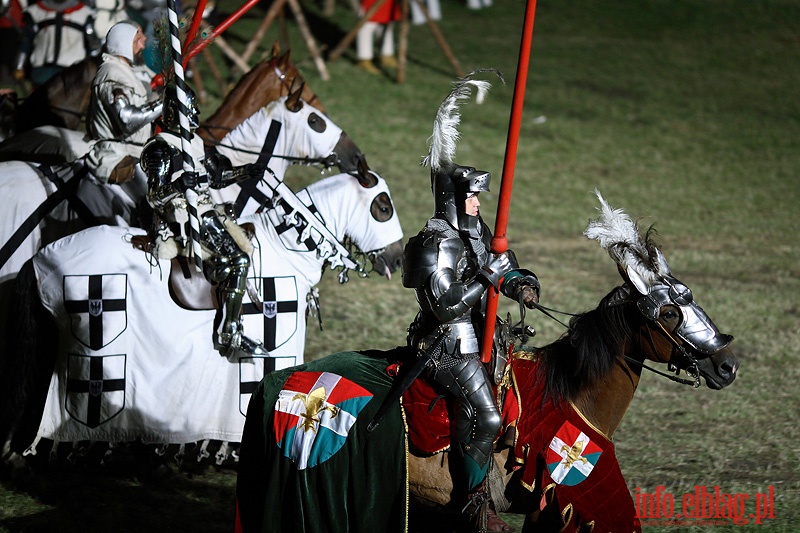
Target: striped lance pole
185	132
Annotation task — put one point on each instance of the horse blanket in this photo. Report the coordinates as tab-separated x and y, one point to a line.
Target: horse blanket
135	365
307	463
565	460
562	458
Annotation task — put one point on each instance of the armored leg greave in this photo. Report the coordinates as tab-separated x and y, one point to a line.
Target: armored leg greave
227	266
477	420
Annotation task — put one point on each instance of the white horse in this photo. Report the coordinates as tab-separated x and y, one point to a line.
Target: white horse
132	364
286	131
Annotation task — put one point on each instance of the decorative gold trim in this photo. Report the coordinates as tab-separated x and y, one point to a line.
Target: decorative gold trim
526	355
515	388
405	445
566	514
589	423
530	488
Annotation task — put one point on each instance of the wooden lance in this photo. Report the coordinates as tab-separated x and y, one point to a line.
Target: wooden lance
499	241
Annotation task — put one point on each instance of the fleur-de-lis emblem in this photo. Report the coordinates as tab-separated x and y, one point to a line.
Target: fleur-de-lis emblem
314	402
573	454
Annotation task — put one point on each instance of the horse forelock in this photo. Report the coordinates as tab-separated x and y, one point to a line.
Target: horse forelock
587	351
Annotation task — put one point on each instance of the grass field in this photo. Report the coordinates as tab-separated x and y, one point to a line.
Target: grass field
686	113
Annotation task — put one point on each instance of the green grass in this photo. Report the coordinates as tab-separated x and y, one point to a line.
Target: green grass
684	113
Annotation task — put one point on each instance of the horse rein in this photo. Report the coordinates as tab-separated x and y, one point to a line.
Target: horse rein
692	370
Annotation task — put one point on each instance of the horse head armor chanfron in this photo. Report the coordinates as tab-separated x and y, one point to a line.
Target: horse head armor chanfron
658	295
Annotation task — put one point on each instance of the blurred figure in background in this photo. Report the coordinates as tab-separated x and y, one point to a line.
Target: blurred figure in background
10	32
122	110
381	27
56	34
432	6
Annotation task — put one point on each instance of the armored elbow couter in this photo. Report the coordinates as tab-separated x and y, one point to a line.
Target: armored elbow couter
132	118
451	300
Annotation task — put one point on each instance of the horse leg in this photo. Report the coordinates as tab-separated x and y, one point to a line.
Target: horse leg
26	364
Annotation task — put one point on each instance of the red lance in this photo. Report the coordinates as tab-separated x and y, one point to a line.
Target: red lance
195	48
499	241
191	48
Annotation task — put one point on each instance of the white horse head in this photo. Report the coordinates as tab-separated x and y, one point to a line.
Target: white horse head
284	132
357	208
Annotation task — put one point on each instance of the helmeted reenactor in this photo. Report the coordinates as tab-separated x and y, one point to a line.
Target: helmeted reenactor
450	267
225	247
122	108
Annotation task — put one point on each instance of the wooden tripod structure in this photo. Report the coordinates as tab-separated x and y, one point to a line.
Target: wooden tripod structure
242	61
402	52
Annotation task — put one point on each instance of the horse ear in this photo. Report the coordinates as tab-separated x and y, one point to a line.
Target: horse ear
366	178
293	103
661	263
276	49
636	280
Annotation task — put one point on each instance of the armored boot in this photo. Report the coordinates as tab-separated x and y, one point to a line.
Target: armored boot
228	266
228	338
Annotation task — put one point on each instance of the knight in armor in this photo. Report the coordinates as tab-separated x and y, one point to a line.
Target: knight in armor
450	267
56	34
225	247
122	108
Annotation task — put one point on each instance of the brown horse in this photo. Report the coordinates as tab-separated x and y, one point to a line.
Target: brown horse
562	403
266	81
61	101
64	100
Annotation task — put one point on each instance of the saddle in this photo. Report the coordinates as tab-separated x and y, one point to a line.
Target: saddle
188	288
429	411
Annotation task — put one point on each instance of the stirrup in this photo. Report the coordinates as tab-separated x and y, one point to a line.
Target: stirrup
479	514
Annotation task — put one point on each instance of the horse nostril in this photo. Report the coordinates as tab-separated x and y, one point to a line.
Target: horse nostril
727	369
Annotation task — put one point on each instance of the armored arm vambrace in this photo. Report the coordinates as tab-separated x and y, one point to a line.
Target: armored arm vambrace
130	119
449	298
222	173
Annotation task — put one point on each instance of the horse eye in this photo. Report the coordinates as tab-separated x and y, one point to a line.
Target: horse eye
316	123
668	314
381	208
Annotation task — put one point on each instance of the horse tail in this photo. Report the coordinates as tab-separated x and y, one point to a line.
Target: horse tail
27	362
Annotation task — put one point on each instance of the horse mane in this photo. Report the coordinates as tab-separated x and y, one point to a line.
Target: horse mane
594	339
442	143
587	351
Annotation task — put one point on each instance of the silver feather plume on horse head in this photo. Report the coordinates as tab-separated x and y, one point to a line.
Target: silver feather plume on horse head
619	235
442	142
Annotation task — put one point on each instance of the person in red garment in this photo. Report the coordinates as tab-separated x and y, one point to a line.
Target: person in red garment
380	27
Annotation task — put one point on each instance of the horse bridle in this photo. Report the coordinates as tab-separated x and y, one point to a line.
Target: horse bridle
692	369
282	77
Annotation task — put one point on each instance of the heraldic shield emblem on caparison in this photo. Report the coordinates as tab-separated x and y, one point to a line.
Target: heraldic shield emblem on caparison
276	320
97	307
95	387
